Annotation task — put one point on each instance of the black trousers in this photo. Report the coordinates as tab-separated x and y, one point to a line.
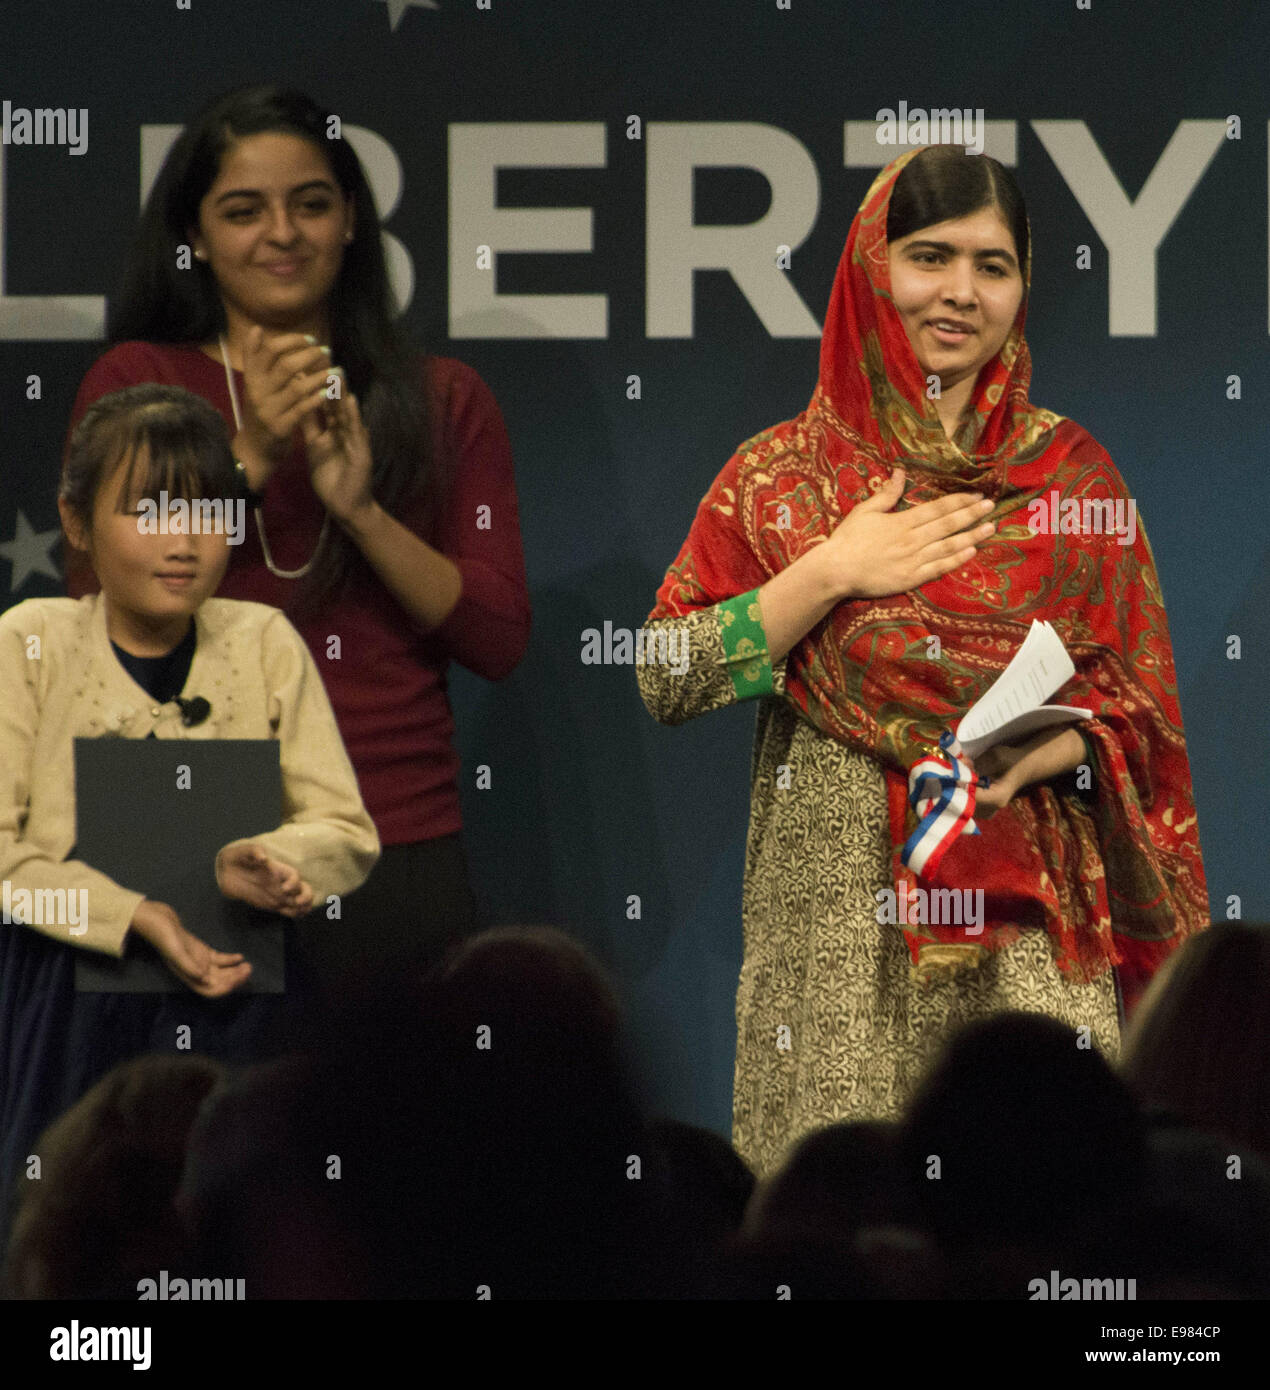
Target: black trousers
416	903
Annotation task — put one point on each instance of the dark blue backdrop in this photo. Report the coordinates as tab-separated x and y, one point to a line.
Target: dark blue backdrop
592	801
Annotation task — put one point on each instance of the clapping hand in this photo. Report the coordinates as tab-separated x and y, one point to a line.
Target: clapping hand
246	872
285	376
338	448
197	965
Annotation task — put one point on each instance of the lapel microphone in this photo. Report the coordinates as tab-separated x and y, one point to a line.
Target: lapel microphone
193	711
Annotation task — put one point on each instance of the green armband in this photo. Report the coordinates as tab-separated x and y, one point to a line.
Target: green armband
745	646
1089	750
1091	757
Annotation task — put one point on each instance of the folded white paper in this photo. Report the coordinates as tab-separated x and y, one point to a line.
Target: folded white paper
1014	707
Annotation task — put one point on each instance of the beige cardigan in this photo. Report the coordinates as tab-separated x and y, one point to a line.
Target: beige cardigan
60	679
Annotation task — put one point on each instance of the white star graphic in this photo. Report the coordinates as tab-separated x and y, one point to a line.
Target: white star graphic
396	8
28	553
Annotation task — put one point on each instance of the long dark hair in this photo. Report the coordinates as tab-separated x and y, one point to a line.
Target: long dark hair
160	302
943	182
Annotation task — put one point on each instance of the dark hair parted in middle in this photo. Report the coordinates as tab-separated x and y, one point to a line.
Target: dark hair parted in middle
943	182
160	302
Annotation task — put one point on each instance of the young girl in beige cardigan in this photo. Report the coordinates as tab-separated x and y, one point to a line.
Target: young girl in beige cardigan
116	663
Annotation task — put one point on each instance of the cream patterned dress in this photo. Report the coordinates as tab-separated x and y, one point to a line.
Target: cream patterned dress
832	1023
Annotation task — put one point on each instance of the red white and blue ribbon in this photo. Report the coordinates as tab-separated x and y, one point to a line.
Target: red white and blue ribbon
941	789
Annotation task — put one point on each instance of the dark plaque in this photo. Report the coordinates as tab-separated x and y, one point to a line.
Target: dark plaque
156	828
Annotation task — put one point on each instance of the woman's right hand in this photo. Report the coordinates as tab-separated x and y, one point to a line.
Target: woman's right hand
286	376
875	551
206	971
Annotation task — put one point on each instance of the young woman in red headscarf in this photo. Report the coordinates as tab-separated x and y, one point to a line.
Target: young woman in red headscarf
866	571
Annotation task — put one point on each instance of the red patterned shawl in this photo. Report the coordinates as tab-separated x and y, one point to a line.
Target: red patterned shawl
1116	879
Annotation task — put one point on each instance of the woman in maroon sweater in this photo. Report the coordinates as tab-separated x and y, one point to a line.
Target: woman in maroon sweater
381	508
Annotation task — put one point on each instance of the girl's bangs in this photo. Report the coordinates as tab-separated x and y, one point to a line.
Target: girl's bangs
162	459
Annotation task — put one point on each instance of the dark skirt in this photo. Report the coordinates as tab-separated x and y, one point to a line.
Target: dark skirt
416	903
56	1043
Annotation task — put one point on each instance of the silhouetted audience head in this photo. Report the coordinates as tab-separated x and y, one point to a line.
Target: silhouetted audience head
837	1221
481	1131
1199	1044
1023	1139
837	1181
539	983
99	1218
262	1199
705	1184
1206	1230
